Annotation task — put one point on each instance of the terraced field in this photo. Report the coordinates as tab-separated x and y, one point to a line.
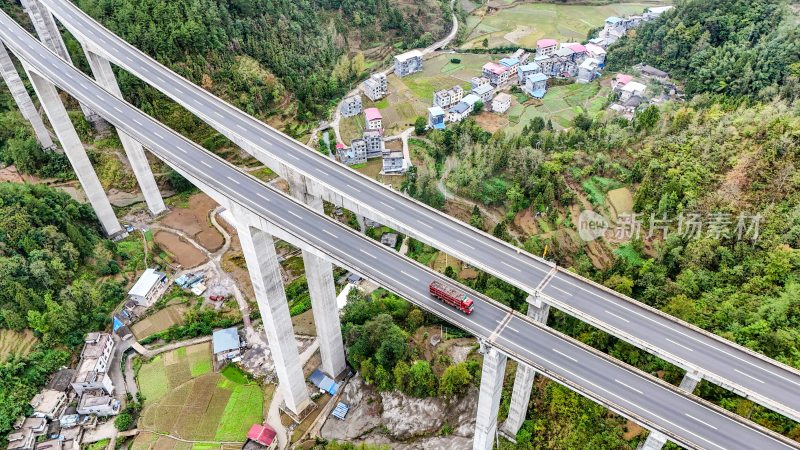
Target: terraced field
16	343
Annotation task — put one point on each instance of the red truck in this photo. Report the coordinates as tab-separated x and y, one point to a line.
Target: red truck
452	296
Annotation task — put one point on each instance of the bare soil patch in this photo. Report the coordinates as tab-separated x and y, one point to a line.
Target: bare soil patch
16	343
490	121
194	221
181	251
525	221
304	324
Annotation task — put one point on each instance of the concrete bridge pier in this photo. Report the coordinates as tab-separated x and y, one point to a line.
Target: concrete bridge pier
262	264
494	368
74	150
48	32
23	100
523	380
656	440
321	287
101	69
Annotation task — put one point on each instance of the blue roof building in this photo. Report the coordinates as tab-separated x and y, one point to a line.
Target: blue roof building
509	62
536	85
225	340
436	118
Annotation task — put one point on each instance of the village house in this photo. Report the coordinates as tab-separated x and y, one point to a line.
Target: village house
651	72
588	70
654	12
478	81
546	47
510	63
355	154
497	74
374	141
579	53
527	69
471	100
436	118
48	403
458	112
596	52
99	404
545	63
536	85
226	345
373	119
261	437
501	103
563	65
619	81
351	106
393	162
632	88
408	63
485	93
446	98
98	351
375	87
146	289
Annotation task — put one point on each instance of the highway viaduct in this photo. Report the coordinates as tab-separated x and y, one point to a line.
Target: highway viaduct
258	226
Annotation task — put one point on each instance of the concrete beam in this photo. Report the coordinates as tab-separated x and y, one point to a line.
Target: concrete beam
101	69
262	263
319	276
73	148
48	33
656	440
494	368
523	380
24	102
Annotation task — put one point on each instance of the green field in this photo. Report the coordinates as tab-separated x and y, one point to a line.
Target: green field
523	25
561	104
184	398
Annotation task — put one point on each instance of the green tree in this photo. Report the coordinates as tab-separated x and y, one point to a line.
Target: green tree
420	126
455	380
421	380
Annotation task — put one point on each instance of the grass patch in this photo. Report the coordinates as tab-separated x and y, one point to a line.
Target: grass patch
244	408
234	374
596	188
148	235
382	103
629	254
152	379
200	367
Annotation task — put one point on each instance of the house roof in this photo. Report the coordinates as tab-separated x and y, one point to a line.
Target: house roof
339	146
460	107
471	99
577	48
263	434
372	114
623	79
145	283
634	86
495	68
539	93
537	77
650	70
225	340
564	52
482	89
408	55
436	111
508	62
613	20
502	97
541	58
528	67
543	43
590	63
595	49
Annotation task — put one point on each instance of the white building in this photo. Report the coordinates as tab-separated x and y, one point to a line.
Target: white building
47	404
146	288
478	81
98	351
374	142
587	71
99	404
501	103
355	154
546	47
596	52
471	100
373	119
393	162
375	87
459	112
632	88
446	98
351	106
408	63
485	93
527	69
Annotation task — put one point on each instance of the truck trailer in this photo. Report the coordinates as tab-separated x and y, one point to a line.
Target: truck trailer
451	296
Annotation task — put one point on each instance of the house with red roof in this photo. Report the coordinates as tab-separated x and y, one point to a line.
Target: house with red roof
497	74
620	80
374	120
546	47
261	437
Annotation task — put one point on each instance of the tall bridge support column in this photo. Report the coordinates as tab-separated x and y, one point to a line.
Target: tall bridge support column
23	100
262	263
494	368
48	32
75	152
656	440
321	288
101	69
539	311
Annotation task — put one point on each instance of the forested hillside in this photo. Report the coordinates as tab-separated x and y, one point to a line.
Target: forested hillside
742	48
261	54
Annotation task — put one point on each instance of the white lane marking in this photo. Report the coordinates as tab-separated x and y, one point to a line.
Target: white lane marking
100	97
424	223
158	135
367	253
386	204
512	329
290	155
320	171
465	244
409	276
565	355
262	196
116	108
353	188
234	180
748	376
698	420
127	58
328	233
679	345
629	387
138	123
621	398
241	127
509	265
205	164
617	316
296	215
218	114
665	325
561	290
